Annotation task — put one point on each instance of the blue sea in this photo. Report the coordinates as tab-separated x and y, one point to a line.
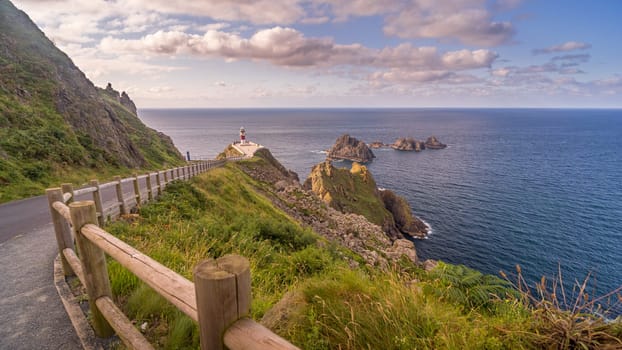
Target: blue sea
541	188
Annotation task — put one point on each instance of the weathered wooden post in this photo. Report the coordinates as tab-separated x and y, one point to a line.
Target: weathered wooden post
149	188
61	228
183	173
120	199
178	172
137	190
159	182
223	291
97	198
165	177
93	263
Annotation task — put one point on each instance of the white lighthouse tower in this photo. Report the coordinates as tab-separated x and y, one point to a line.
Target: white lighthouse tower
243	136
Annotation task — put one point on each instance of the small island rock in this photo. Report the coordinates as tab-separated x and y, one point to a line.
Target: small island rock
408	144
433	143
350	148
377	144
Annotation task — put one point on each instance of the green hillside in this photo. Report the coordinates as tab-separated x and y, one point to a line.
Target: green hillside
319	293
55	125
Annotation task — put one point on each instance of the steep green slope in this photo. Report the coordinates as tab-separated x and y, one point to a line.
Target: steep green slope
307	288
55	124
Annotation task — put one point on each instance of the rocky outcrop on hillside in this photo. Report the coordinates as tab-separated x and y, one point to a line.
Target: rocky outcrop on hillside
355	191
433	143
123	98
351	191
350	230
408	144
350	148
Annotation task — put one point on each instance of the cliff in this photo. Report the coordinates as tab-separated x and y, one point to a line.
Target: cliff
402	214
54	120
355	191
350	148
350	230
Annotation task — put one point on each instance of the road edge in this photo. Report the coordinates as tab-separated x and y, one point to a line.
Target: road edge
76	316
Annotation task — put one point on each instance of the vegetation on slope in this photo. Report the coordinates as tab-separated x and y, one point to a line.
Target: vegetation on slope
55	125
304	287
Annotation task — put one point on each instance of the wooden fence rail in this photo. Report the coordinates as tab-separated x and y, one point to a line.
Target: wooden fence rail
219	299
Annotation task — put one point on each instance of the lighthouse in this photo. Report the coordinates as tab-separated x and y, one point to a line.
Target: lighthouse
242	136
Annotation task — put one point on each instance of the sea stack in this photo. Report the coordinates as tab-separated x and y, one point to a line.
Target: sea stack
408	144
350	148
433	143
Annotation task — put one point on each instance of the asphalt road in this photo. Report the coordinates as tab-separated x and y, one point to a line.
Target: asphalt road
31	313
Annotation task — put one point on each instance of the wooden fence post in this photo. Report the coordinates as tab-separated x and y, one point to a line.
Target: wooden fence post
223	291
137	190
183	173
149	188
93	263
120	199
159	182
61	228
178	171
97	198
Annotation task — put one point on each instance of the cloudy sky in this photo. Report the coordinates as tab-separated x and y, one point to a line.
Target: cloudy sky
339	53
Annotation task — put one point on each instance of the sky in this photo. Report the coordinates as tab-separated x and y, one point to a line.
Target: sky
339	53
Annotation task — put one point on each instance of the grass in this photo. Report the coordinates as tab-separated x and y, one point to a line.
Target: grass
303	288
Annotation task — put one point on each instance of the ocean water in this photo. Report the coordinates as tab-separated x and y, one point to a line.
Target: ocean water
538	188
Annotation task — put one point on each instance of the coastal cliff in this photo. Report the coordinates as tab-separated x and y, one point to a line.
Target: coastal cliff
349	229
54	121
355	191
350	148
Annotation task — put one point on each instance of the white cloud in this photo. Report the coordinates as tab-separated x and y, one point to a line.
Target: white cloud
468	21
160	89
289	47
567	46
256	12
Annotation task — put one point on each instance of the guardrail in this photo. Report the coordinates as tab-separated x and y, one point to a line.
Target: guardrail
219	299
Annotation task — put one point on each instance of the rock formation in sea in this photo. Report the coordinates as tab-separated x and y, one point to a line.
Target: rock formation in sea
377	144
433	143
355	191
350	148
408	144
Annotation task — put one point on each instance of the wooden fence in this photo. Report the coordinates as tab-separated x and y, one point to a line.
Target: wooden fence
219	299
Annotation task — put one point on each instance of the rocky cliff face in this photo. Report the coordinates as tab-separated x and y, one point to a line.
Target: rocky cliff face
405	221
408	144
347	147
355	191
53	117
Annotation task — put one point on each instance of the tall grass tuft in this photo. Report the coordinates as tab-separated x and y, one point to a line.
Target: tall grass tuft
569	319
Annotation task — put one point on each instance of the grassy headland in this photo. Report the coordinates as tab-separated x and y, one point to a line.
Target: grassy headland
309	288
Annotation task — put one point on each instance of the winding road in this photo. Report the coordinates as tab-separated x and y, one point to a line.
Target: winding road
31	313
